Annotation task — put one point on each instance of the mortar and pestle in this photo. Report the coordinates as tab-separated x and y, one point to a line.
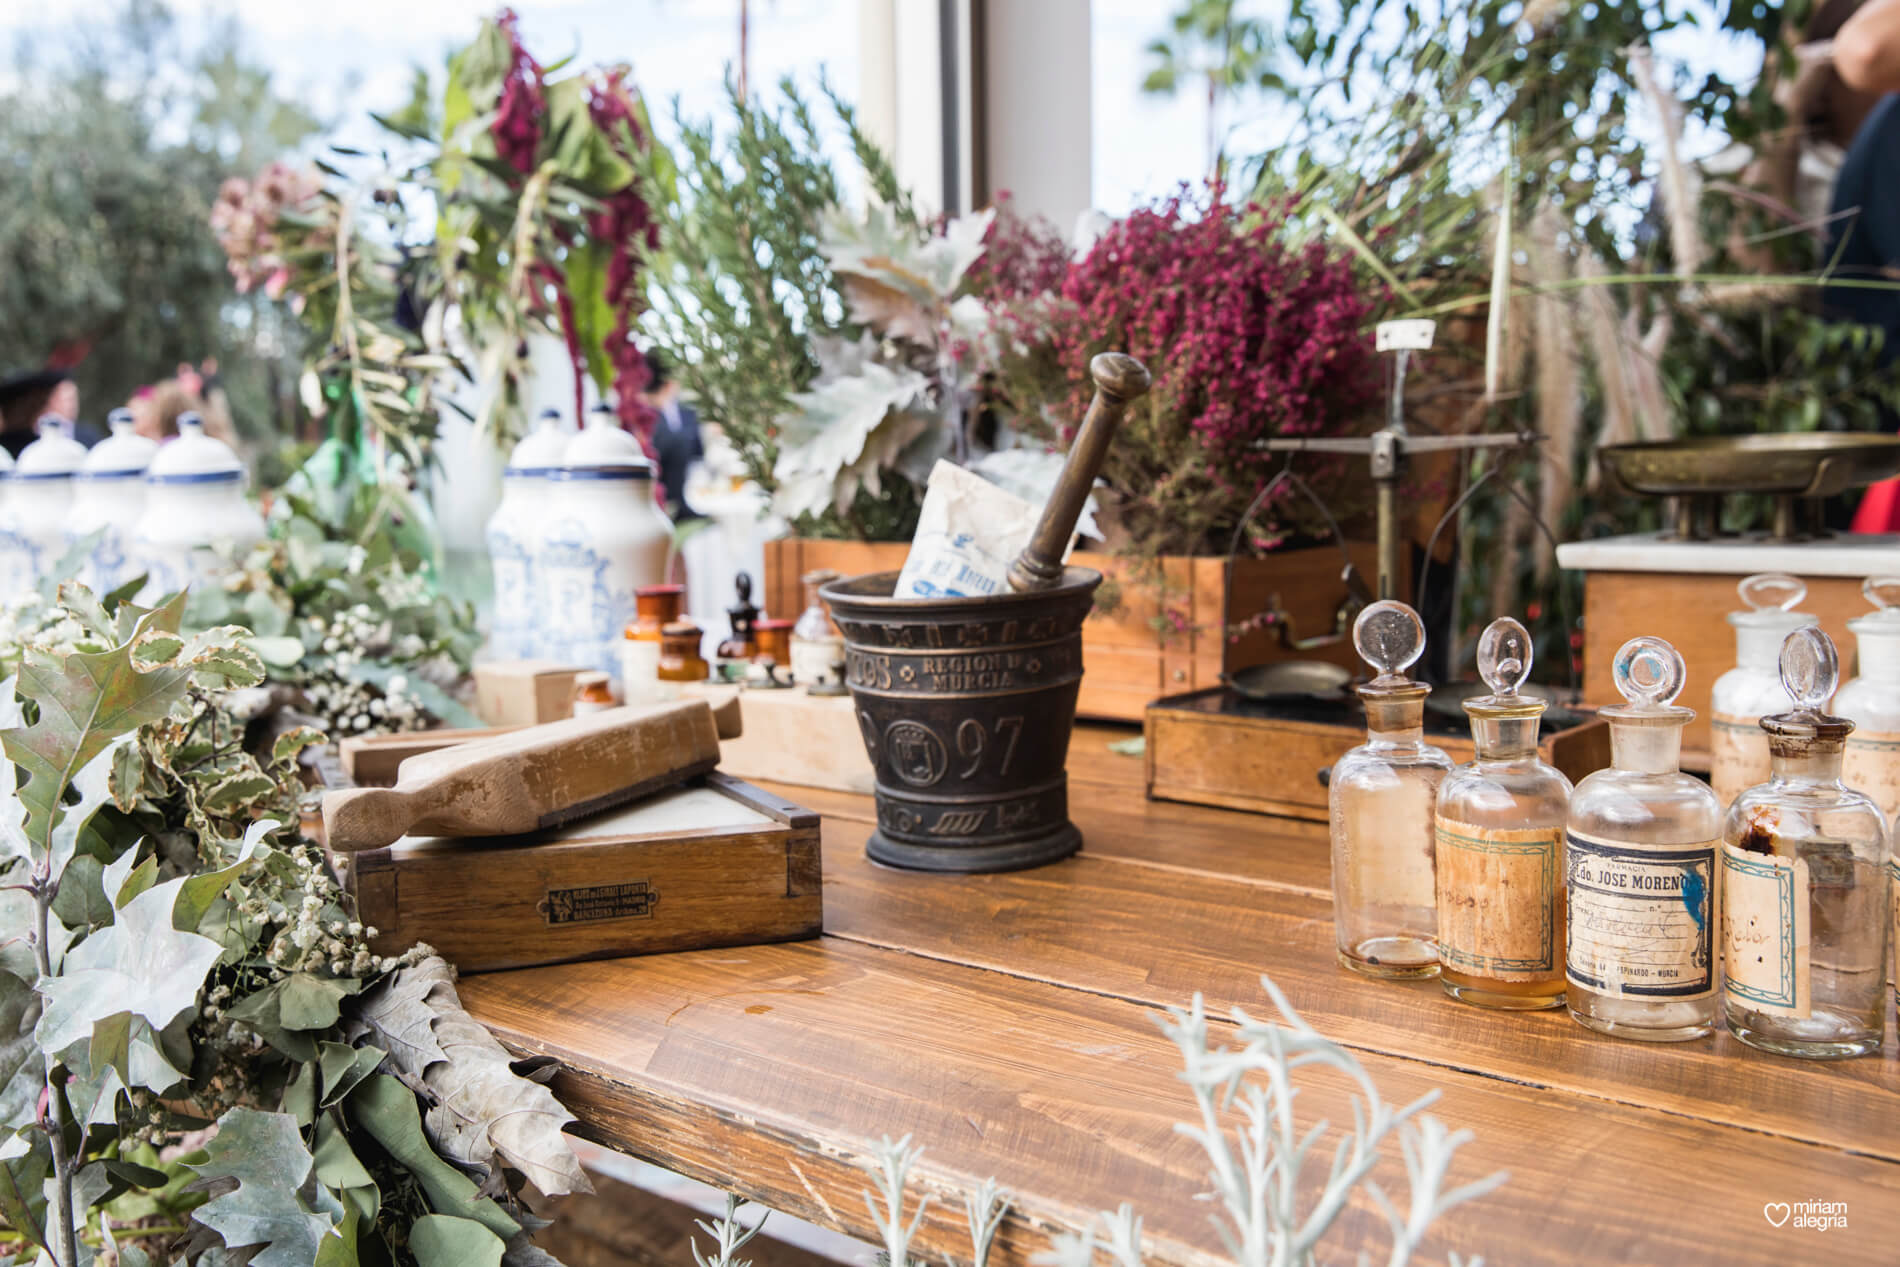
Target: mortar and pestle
966	704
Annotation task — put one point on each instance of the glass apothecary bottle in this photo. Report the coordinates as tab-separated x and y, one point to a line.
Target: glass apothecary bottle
1640	867
593	693
680	660
1381	798
654	608
1500	845
1740	698
1871	760
1805	884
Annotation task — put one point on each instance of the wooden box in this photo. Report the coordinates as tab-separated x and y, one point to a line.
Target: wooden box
715	863
1684	591
1205	754
1127	658
794	737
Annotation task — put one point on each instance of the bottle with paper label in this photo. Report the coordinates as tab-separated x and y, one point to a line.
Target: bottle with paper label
1641	856
1806	883
1381	799
1871	761
1740	698
1500	845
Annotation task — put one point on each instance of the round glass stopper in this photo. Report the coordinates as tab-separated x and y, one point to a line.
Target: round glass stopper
1390	637
1883	592
1649	672
1772	591
1810	669
1504	656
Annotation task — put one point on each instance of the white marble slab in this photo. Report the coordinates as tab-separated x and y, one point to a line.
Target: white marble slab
681	810
1844	555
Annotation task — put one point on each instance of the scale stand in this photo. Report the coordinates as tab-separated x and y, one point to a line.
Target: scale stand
1390	446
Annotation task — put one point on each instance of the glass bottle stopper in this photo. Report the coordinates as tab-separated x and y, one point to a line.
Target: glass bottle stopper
1504	656
1810	670
1883	594
1390	637
1649	674
1772	591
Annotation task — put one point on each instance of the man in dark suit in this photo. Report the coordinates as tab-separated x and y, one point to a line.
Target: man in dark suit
676	437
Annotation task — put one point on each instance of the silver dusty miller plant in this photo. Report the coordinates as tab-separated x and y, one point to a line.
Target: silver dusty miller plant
1255	1167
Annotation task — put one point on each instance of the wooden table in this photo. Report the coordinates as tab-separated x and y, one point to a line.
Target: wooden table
1007	1023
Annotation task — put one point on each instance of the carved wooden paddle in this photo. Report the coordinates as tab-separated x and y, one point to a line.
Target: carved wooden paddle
535	777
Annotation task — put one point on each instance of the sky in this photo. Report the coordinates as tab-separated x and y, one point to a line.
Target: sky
350	56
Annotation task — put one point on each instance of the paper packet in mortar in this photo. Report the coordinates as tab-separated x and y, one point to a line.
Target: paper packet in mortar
968	534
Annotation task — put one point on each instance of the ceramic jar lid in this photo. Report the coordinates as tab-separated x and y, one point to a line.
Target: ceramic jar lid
194	458
55	455
122	455
602	451
542	450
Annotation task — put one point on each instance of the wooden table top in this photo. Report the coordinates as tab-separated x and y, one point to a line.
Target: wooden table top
1007	1023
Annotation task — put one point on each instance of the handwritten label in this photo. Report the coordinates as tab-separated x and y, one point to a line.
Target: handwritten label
1641	918
1871	764
1500	900
631	900
1738	755
1765	938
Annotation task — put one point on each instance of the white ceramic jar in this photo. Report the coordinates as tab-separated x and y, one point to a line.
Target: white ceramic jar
1740	698
514	533
33	524
196	515
6	541
1871	761
604	536
108	498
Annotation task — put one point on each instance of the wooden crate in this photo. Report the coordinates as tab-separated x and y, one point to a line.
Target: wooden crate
1272	765
716	863
1691	610
1128	660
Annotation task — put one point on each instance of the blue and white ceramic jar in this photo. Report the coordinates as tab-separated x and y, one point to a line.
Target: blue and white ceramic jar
196	516
33	523
514	533
109	498
604	536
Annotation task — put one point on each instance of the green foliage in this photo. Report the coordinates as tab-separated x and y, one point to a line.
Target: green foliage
264	1154
828	346
194	961
741	288
344	614
113	163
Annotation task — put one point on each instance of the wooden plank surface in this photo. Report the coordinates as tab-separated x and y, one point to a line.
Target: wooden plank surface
1008	1023
774	1069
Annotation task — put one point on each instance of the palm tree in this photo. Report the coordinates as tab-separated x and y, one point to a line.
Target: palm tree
1210	41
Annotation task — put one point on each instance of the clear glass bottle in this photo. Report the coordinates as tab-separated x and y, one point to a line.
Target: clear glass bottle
1805	884
1740	698
816	645
1381	797
1500	843
1640	872
1871	761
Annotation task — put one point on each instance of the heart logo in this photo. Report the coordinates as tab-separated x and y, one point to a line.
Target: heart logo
1776	1212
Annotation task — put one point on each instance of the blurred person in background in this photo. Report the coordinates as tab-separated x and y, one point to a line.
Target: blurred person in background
24	399
170	399
676	438
1864	236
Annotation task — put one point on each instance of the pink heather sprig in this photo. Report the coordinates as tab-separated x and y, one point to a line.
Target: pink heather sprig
518	114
